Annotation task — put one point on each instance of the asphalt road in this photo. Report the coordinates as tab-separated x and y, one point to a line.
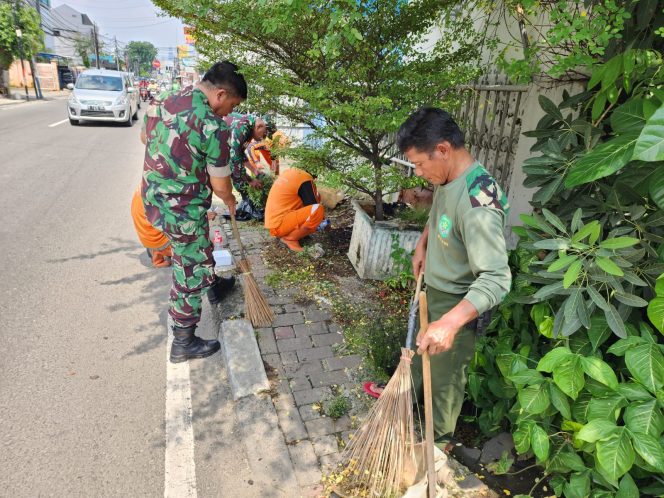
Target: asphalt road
83	335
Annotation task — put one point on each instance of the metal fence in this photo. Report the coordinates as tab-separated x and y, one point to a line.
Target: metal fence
490	114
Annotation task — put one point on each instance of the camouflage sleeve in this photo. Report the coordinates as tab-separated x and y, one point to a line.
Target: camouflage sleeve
238	171
216	149
483	236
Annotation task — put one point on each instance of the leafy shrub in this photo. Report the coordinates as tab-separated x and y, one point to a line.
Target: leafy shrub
402	273
337	407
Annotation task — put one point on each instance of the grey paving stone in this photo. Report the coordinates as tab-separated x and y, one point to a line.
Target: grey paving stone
284	332
321	379
330	462
308	396
299	384
289	358
288	319
302	368
324	445
293	308
335	328
316	315
307	412
266	341
293	344
341	362
327	339
307	329
315	353
289	418
305	463
279	300
320	427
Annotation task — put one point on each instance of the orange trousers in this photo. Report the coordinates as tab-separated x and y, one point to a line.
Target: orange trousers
150	237
307	217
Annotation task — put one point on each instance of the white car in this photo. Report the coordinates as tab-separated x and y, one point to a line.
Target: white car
103	95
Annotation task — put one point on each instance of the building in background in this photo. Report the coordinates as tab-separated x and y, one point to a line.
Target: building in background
68	24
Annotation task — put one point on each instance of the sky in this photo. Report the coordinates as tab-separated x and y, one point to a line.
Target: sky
131	20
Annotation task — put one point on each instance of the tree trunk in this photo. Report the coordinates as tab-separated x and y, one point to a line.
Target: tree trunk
378	192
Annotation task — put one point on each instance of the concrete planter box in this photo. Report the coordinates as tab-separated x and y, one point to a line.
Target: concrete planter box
371	243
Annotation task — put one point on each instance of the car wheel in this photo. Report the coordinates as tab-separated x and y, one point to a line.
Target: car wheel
129	121
135	115
74	122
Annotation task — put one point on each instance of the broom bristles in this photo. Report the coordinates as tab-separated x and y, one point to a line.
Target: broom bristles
381	454
256	308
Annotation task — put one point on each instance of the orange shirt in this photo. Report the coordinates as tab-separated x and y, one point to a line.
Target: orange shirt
283	197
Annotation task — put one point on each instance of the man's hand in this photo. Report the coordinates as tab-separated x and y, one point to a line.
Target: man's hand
257	184
439	337
419	257
231	202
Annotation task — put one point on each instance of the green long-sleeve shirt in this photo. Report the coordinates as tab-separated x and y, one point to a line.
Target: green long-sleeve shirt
466	252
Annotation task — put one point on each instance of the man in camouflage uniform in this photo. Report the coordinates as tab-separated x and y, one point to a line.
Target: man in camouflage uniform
186	159
244	128
461	252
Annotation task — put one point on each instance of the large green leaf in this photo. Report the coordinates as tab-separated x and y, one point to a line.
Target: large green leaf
597	298
572	273
628	488
618	242
553	358
615	321
599	331
560	401
563	460
603	160
568	376
552	244
608	266
562	262
650	449
526	377
607	407
521	437
628	117
578	485
615	455
550	108
534	399
571	303
646	364
600	371
650	144
645	417
634	392
656	313
539	440
597	429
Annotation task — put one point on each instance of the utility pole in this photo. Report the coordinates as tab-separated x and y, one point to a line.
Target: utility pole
35	76
19	36
117	56
95	42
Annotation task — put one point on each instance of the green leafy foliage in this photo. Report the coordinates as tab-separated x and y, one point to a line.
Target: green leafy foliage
402	266
143	52
28	23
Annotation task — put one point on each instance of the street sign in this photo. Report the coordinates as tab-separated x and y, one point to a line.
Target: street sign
156	64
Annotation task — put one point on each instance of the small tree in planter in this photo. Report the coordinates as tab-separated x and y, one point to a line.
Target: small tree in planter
352	71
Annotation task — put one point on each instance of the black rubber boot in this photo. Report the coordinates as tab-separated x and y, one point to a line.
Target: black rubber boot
187	346
220	288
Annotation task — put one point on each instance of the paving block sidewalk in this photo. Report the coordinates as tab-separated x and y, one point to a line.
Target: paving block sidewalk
304	370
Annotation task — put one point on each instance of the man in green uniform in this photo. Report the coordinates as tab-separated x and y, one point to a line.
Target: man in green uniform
186	159
461	252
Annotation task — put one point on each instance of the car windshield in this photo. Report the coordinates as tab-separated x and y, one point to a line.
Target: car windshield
99	82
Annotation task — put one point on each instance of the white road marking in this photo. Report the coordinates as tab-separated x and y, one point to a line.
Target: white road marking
180	472
58	123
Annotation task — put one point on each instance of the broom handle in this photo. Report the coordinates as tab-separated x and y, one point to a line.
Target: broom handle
236	234
428	408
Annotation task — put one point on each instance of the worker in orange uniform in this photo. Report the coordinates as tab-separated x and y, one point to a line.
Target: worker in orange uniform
293	209
156	243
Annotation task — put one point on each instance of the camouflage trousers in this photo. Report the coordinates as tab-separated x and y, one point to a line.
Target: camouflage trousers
193	264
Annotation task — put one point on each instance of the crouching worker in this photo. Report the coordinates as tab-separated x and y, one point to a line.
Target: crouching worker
154	241
293	209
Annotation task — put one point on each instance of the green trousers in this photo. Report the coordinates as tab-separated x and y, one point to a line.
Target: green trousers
448	369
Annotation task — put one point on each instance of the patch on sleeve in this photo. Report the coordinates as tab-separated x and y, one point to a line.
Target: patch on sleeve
484	191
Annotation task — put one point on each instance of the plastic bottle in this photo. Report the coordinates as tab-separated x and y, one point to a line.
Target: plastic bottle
323	225
217	240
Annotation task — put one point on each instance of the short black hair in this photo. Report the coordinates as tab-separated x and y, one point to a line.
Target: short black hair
426	128
225	75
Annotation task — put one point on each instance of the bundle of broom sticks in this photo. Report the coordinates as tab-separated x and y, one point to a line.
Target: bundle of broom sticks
256	308
380	459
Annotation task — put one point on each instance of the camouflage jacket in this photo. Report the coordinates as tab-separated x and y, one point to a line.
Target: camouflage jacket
242	127
186	144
